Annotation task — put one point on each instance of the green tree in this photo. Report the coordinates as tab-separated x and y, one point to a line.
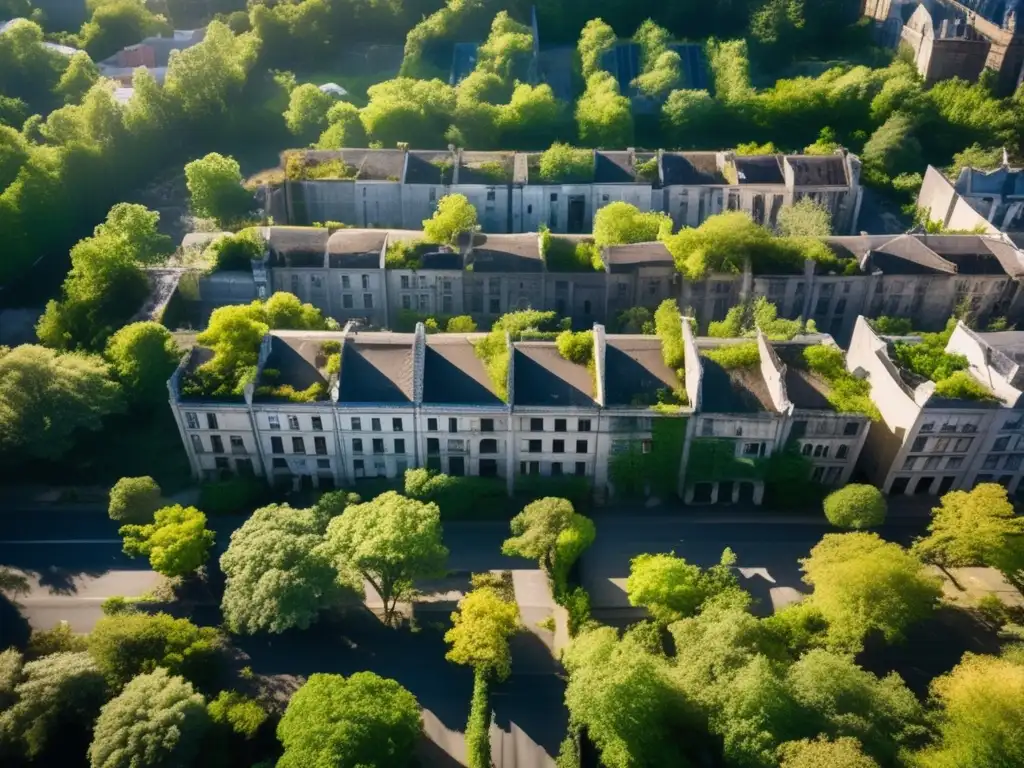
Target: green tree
975	157
862	583
532	117
57	699
349	722
11	665
480	632
142	357
390	541
689	117
821	753
134	500
129	644
981	707
241	715
667	586
158	720
215	189
454	215
78	78
278	575
596	39
45	398
417	112
536	529
893	148
14	151
620	223
855	506
604	117
977	527
624	698
177	542
344	128
661	67
306	115
805	218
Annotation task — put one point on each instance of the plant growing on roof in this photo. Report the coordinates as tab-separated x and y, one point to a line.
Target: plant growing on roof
847	393
564	164
621	223
732	356
454	215
668	326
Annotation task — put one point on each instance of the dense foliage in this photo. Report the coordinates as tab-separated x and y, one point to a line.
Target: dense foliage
349	722
855	506
177	542
134	500
621	223
480	632
846	393
142	357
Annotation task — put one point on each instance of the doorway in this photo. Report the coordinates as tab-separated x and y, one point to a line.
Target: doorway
746	493
947	484
577	214
924	485
725	492
456	466
899	486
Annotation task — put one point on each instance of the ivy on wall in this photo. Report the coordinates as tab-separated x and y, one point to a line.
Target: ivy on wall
713	459
632	471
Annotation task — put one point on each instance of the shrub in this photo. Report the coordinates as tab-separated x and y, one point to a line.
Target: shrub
236	495
577	604
563	255
457	497
563	164
569	546
847	393
576	347
668	326
404	254
235	253
892	326
60	639
243	715
962	386
731	356
495	354
461	324
855	506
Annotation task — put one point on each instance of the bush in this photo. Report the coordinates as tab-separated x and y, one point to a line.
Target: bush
730	356
457	497
60	639
134	500
478	741
562	164
243	715
461	324
576	347
962	386
892	326
236	495
569	546
855	506
577	603
668	326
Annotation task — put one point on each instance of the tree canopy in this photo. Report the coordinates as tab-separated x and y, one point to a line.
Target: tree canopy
672	589
862	583
855	506
306	116
481	630
536	529
621	223
977	527
157	720
215	189
350	722
278	574
129	644
454	216
142	357
46	397
134	500
177	542
390	541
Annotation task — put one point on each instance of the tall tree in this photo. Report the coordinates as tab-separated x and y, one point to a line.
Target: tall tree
855	506
390	541
822	753
46	397
604	117
862	583
278	574
454	216
306	115
57	699
805	218
158	720
672	589
215	189
350	722
78	78
481	630
116	24
142	357
981	710
596	39
177	542
620	223
977	527
535	530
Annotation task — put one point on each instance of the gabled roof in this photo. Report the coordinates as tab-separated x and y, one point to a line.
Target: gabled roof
377	368
453	374
476	168
635	371
298	360
758	169
625	256
691	169
542	377
429	167
906	254
356	248
818	170
614	167
297	246
506	253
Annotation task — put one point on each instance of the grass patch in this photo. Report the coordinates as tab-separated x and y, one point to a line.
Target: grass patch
732	356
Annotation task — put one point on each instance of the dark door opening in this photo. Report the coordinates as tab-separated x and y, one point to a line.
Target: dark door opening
924	485
702	493
305	482
456	466
899	486
946	484
577	212
746	493
725	492
488	468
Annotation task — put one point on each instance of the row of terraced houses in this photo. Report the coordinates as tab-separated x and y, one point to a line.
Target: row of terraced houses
404	400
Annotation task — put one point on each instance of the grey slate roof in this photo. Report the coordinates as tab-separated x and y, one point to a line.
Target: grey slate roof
454	375
624	256
690	168
506	253
818	171
429	167
356	248
296	358
542	377
614	167
758	169
634	368
377	368
906	254
297	246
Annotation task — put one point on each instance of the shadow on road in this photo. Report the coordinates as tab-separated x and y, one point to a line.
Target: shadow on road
14	628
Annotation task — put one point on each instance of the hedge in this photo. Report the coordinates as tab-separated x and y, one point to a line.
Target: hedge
478	736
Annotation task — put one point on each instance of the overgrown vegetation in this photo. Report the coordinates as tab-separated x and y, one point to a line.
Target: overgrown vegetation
846	392
668	327
561	254
928	358
745	354
745	320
